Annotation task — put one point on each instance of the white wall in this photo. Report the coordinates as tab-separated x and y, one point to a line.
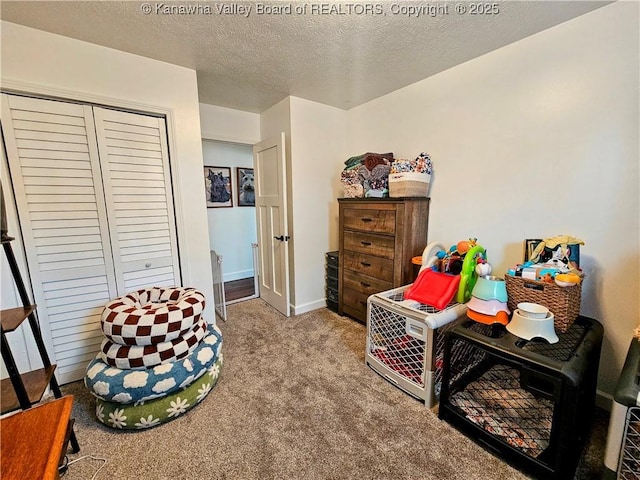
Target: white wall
229	125
537	139
40	62
316	146
318	152
231	230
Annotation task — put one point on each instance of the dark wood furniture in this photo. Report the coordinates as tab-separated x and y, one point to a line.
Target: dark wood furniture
34	441
378	238
22	390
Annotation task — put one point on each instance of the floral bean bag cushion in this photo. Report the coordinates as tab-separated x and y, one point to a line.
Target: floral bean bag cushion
128	386
138	416
140	357
152	315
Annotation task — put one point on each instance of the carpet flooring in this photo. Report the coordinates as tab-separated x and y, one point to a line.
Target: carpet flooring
295	401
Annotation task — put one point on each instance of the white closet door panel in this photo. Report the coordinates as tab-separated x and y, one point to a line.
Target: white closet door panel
148	234
122	166
42	159
70	340
148	259
86	274
135	167
42	126
64	215
70	256
80	288
65	248
142	274
64	200
51	172
142	243
57	183
144	176
71	364
52	138
137	280
143	135
140	212
71	224
152	157
77	240
139	184
53	146
88	324
147	218
63	232
88	348
142	263
135	145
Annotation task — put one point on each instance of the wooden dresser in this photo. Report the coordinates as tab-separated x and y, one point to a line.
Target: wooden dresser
378	238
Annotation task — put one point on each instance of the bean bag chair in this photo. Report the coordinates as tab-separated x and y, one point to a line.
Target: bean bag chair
139	357
141	415
129	386
152	315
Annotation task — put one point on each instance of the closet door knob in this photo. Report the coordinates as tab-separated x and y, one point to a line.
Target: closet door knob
147	265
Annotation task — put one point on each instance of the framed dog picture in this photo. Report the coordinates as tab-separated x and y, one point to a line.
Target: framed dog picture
218	188
246	190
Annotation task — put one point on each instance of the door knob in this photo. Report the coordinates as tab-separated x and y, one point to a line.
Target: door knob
282	238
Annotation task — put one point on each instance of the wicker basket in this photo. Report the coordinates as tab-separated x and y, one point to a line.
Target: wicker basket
563	302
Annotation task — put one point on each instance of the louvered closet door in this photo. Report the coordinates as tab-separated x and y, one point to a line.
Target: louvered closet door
55	175
135	170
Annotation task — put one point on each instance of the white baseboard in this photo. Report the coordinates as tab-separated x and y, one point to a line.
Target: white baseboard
308	307
231	276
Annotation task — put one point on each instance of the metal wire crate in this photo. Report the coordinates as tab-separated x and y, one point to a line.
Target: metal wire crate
405	342
622	454
629	467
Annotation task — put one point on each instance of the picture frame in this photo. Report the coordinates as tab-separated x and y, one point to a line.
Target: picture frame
246	194
218	186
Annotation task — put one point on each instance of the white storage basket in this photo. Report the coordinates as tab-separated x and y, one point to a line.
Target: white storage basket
405	342
409	184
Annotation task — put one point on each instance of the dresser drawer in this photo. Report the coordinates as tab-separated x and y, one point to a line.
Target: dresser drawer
370	220
370	244
355	304
363	283
377	267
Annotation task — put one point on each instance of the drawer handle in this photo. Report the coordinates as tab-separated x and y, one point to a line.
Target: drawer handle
366	244
365	264
367	285
367	220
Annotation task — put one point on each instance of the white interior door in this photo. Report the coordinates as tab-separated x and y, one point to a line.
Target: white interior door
271	216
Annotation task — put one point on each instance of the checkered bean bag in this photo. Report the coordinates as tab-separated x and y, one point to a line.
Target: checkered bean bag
129	357
138	416
152	315
129	386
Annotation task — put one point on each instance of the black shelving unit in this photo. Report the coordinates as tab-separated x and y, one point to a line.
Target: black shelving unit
331	278
23	390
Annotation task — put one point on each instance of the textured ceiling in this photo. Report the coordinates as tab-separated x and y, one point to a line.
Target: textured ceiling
340	56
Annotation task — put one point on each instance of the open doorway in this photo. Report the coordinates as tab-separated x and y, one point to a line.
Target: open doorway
231	219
